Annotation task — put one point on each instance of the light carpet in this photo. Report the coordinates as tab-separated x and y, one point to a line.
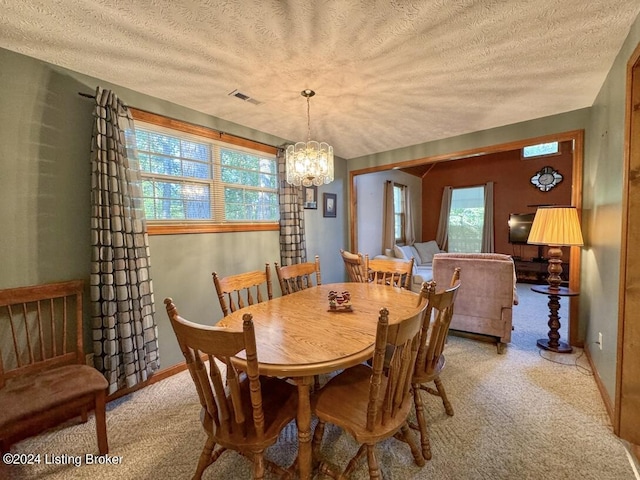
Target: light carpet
517	415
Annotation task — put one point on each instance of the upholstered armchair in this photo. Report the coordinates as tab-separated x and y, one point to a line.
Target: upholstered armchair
487	293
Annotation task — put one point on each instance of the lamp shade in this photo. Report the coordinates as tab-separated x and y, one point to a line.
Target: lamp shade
556	226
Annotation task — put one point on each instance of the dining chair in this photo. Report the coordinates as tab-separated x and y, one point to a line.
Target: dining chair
293	278
354	263
237	291
241	410
384	271
373	403
430	360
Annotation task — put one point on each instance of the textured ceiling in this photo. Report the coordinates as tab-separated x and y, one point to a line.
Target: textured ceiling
387	74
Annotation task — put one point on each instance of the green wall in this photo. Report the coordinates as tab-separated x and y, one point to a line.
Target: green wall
602	214
45	139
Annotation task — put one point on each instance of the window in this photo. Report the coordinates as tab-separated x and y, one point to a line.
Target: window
399	211
540	150
194	180
466	220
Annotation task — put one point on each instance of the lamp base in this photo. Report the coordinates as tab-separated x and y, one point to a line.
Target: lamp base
562	347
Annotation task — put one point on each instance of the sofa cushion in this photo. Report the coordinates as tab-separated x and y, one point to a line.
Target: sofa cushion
426	250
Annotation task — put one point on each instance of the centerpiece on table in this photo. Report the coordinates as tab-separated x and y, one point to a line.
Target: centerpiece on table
339	301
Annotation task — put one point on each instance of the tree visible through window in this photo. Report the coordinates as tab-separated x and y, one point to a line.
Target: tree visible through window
187	178
466	220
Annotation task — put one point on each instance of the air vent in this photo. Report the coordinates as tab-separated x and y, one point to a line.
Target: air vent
245	98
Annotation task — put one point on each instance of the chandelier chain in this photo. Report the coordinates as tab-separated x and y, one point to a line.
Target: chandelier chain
308	119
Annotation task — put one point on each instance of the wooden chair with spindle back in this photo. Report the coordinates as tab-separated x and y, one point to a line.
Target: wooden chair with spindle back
396	273
430	360
354	264
241	410
373	403
44	380
237	291
293	278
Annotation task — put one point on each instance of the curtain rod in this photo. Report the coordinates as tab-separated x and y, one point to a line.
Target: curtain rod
89	95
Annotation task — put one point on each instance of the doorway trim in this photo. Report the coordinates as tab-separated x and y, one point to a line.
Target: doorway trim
626	418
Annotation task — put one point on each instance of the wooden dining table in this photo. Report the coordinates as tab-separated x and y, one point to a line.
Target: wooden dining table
298	336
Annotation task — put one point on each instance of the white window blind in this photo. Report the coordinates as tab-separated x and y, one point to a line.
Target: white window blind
187	178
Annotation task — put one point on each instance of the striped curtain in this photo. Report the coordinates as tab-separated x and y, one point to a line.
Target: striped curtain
293	248
125	336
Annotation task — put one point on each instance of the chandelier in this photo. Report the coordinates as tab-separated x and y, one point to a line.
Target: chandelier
309	163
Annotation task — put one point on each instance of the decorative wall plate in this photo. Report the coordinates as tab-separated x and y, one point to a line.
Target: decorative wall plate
546	179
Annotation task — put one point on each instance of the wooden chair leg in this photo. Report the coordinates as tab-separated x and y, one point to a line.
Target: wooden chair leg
317	440
206	458
355	460
406	436
443	395
422	423
258	465
372	461
101	422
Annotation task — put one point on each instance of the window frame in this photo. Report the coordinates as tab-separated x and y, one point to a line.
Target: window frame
162	227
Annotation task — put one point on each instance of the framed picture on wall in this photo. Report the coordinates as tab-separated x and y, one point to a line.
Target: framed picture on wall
329	201
310	197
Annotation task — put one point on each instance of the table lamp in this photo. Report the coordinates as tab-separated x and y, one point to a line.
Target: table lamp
555	226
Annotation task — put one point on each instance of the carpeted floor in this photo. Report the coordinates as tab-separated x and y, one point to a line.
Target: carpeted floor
517	416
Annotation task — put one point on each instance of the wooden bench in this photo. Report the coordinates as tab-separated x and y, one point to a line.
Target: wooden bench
43	376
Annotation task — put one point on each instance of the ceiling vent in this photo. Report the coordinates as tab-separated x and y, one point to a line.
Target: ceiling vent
245	98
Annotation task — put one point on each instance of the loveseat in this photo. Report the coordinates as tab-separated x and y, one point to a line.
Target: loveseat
422	253
487	294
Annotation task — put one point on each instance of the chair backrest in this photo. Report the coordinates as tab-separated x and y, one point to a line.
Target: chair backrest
293	278
354	263
220	394
389	272
237	291
40	328
436	324
394	359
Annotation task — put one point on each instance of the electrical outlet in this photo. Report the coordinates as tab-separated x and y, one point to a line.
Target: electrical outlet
89	359
600	340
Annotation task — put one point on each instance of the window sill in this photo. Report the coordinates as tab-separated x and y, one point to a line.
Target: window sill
211	228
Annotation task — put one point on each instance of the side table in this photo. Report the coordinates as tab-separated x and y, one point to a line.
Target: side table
553	343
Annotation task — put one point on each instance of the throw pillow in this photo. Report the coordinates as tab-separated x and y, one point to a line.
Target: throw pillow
426	250
398	253
406	252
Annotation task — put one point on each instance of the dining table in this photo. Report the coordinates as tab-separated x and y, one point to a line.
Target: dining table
299	336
